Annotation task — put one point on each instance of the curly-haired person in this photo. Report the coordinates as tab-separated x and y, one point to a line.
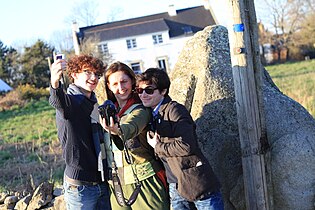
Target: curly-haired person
80	134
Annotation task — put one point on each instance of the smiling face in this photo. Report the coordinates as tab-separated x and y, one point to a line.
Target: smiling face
150	100
121	86
86	80
84	71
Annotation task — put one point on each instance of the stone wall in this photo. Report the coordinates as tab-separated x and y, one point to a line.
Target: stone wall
43	197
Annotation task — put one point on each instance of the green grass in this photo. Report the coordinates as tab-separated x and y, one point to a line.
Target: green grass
29	148
296	80
34	122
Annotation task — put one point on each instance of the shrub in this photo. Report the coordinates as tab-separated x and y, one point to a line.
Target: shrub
28	92
21	95
11	100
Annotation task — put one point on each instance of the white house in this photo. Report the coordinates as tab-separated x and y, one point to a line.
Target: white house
149	41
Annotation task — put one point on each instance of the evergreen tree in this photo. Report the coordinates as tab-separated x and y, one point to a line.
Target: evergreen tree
34	65
3	52
9	65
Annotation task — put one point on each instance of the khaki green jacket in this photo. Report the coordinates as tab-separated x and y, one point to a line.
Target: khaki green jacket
134	126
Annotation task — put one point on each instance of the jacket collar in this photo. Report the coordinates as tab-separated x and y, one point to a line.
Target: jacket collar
75	90
165	103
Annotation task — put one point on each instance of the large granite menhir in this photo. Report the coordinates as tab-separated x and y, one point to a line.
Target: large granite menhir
202	80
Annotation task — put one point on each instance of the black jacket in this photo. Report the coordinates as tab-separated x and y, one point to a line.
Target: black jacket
179	147
75	134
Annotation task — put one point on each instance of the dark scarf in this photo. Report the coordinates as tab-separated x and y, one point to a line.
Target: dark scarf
97	131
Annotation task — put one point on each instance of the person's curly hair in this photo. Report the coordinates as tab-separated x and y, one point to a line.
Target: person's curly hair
79	62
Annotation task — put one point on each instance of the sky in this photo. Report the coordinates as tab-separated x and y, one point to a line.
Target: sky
24	21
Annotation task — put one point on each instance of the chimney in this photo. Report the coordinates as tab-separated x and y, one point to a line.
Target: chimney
75	38
206	4
171	10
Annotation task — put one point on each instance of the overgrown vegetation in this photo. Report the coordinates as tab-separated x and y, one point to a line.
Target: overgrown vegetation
296	80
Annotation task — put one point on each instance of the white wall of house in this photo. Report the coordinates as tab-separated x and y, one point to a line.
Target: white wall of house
147	53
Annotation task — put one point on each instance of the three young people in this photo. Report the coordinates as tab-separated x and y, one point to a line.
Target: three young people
173	139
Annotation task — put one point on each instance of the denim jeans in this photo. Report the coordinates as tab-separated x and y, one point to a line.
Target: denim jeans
92	197
213	202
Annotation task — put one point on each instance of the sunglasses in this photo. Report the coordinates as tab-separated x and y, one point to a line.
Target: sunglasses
147	90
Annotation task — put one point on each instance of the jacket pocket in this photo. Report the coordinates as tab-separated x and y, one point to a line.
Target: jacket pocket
194	176
192	184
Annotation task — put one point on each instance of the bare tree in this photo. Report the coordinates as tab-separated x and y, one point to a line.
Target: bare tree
285	18
90	46
114	14
305	39
62	40
311	5
84	13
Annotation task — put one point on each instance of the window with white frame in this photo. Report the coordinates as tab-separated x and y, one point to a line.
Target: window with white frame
136	67
131	43
162	63
103	49
157	39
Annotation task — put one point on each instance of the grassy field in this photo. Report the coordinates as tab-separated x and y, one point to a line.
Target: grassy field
34	122
30	152
296	80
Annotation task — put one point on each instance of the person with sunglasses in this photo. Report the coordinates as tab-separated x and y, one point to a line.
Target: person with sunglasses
173	137
131	151
80	133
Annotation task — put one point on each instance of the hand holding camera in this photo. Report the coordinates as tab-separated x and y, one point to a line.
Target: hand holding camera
109	119
56	69
61	58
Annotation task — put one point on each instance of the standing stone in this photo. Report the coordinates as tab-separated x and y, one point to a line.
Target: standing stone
100	91
202	80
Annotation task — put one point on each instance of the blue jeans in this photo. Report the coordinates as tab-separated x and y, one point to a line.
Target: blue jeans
83	197
213	202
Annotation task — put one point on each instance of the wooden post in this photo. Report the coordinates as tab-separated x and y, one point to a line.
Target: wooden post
247	74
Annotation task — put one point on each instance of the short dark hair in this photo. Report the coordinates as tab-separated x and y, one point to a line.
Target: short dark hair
157	77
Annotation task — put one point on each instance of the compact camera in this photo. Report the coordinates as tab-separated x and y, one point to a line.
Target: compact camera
63	63
107	110
60	56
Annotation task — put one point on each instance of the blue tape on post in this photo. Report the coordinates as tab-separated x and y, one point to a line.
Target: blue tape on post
238	27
